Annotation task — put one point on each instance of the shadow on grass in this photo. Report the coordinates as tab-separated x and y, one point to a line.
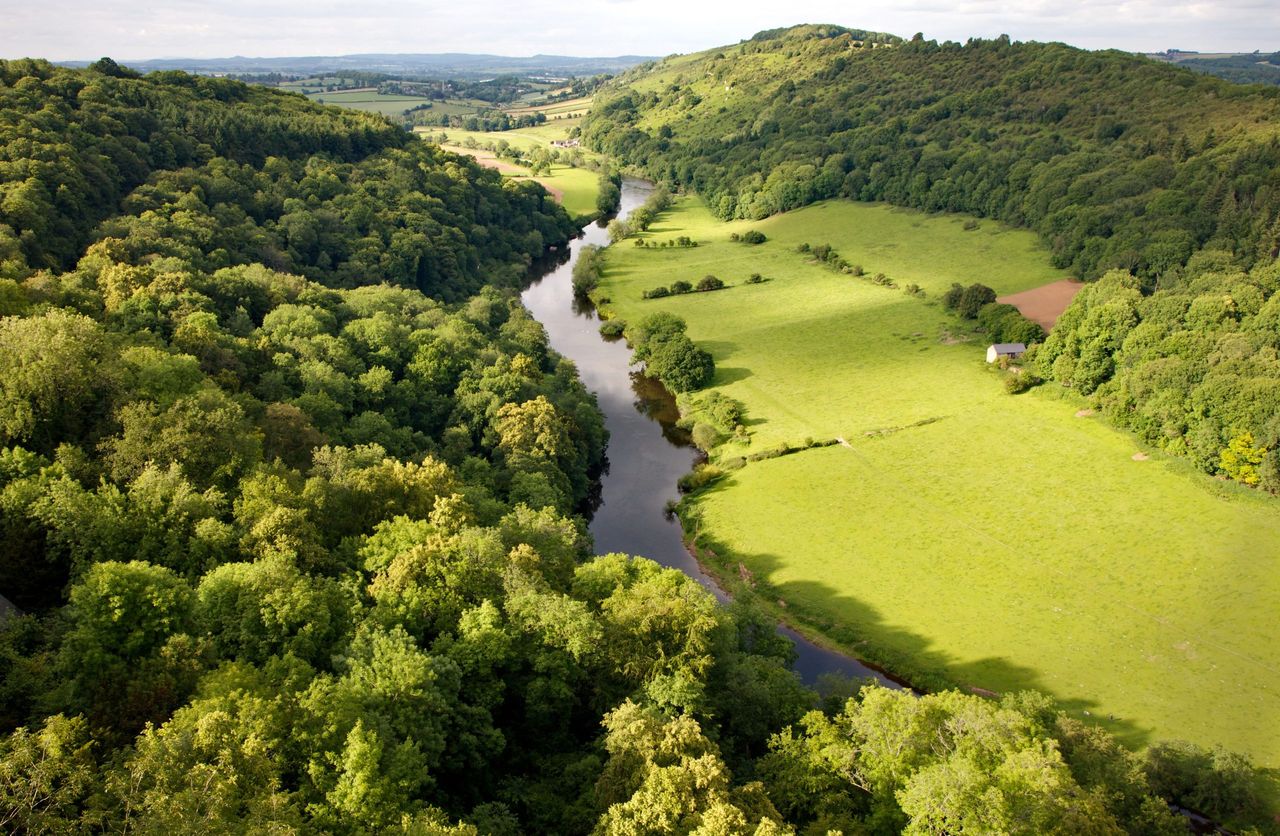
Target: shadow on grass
729	374
857	628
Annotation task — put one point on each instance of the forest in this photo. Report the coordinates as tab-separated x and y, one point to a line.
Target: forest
1123	165
291	495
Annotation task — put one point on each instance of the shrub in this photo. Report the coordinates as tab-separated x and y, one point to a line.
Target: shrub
655	293
914	290
699	477
951	299
970	225
710	283
1019	382
705	437
612	328
681	286
973	298
856	270
735	237
753	236
618	230
755	278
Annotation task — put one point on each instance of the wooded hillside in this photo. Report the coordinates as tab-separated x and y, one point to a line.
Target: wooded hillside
1117	160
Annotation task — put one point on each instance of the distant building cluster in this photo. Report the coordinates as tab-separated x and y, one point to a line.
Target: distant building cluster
565	143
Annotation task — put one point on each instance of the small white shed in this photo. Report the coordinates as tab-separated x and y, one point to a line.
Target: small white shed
1010	350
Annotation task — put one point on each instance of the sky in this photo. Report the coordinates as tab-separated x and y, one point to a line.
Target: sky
63	30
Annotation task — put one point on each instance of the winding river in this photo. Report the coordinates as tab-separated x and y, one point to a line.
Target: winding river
647	453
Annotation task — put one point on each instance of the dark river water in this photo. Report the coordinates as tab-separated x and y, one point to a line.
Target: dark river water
647	453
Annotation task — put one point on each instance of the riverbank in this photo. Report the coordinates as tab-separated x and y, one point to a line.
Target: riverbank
647	454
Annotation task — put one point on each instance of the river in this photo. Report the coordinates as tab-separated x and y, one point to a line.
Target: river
647	453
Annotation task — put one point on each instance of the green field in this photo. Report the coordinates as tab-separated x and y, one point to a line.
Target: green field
576	188
1007	542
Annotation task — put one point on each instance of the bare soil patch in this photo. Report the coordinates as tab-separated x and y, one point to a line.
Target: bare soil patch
1140	457
1084	413
1046	303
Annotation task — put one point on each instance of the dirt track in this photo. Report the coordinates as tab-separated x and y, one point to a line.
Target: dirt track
1046	303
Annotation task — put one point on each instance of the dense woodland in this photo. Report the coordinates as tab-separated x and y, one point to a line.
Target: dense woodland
1121	163
289	486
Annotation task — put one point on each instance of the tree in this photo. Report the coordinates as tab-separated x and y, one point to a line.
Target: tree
1241	459
681	365
47	777
57	379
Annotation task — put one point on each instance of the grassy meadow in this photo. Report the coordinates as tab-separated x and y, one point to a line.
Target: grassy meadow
1003	541
370	100
576	188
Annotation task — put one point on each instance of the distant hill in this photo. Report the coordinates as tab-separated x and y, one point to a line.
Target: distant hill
451	64
1241	67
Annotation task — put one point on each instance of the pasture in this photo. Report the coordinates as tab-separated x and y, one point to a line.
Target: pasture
1003	542
574	188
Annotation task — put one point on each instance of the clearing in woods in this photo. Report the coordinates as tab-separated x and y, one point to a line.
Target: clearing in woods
575	188
996	539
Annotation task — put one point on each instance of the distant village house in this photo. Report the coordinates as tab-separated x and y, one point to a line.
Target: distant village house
1011	351
565	143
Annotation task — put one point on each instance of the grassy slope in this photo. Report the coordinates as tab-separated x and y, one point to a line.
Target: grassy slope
1010	543
579	186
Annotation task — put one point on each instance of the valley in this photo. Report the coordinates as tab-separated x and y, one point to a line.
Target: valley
988	540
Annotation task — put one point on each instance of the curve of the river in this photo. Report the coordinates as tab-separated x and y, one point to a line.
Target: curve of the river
647	453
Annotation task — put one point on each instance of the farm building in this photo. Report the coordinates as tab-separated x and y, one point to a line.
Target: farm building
1010	350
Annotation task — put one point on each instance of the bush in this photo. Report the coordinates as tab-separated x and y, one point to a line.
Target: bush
968	301
681	286
710	283
914	290
755	278
705	437
618	230
699	477
973	298
753	236
1006	324
612	328
655	293
1019	382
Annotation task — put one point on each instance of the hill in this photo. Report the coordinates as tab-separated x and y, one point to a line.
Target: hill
459	65
1240	67
1116	160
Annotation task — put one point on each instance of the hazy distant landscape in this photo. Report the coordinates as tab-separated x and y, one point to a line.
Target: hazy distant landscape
828	431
